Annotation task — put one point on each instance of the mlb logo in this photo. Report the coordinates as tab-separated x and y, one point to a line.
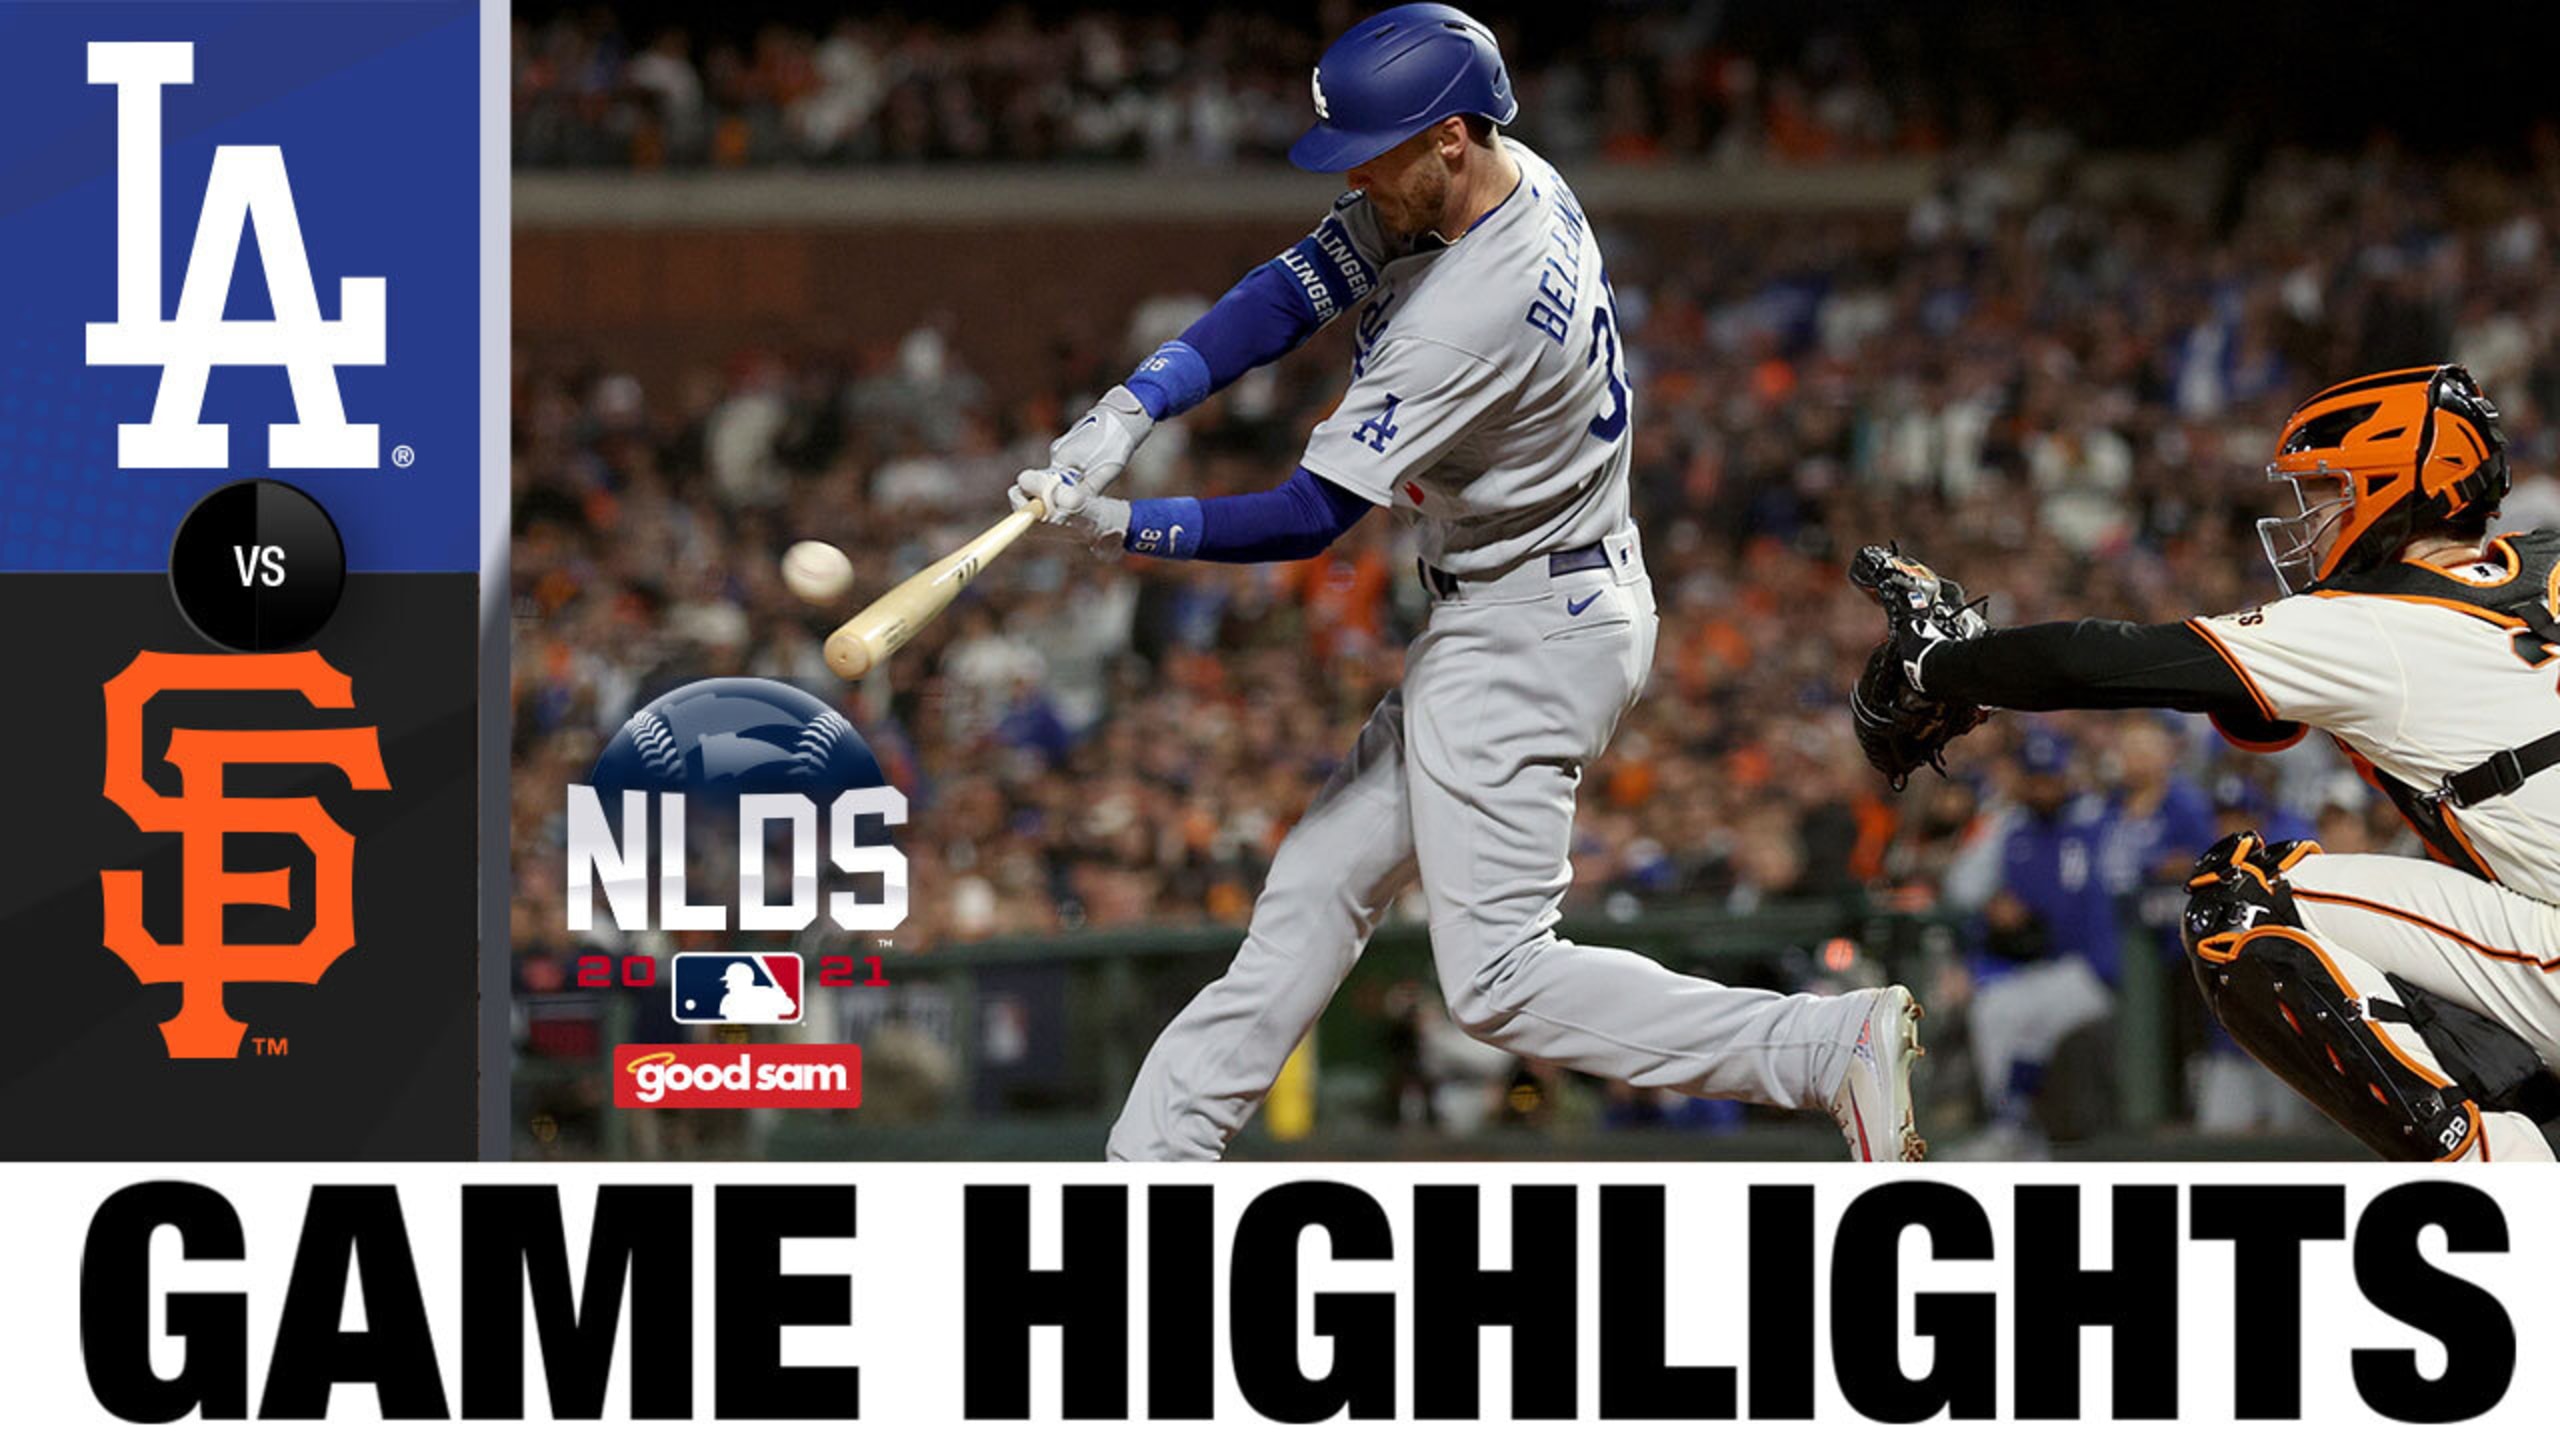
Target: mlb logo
723	987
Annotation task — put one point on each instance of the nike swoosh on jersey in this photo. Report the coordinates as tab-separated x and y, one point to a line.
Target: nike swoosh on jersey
1576	607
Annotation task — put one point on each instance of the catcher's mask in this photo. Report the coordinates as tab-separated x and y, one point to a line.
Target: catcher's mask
2372	460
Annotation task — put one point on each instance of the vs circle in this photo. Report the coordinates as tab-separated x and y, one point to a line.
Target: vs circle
257	565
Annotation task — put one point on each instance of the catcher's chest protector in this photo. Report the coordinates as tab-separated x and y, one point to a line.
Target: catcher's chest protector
2526	604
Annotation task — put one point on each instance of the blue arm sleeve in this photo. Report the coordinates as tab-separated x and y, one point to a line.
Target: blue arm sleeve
1295	519
1264	317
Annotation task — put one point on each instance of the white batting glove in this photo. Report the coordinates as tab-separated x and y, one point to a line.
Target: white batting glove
1097	447
1098	520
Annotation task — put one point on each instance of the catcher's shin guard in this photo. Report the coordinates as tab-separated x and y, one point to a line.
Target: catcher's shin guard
2288	1003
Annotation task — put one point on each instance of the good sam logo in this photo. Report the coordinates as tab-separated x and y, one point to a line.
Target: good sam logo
203	814
737	1077
751	763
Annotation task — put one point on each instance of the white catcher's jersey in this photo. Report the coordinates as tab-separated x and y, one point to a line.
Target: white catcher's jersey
2421	686
1488	400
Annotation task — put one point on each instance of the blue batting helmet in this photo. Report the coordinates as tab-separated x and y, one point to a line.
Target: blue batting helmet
1393	75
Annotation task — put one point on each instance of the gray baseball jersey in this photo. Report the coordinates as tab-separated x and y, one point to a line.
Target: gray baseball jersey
1488	397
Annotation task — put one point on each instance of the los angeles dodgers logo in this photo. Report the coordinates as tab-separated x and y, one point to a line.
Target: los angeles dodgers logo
248	187
202	814
1380	428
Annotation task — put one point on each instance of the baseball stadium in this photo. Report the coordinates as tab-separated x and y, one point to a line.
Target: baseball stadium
2042	296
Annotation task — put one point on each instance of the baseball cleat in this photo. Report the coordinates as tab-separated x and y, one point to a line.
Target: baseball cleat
1873	1105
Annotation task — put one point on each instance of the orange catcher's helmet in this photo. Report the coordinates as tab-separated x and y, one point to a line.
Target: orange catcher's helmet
2373	460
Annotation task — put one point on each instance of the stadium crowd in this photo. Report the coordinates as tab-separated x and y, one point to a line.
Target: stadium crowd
2063	401
1167	87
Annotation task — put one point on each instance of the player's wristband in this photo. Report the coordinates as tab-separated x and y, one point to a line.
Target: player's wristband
1166	528
1171	380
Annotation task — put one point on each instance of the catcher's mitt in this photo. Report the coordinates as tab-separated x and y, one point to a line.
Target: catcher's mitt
1899	727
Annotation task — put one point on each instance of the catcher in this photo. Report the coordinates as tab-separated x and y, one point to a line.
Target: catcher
2415	1001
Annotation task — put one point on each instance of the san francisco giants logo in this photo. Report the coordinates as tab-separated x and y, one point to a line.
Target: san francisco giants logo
202	814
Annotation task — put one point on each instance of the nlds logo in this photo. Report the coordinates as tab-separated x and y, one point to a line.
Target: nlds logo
248	187
751	763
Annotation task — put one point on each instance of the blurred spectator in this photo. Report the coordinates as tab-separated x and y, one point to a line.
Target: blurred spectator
2046	958
1438	1076
2159	820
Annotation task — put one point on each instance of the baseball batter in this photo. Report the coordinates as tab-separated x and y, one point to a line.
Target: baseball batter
1489	405
2417	1002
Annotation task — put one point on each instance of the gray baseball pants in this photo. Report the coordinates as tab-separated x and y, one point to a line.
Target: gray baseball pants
1464	779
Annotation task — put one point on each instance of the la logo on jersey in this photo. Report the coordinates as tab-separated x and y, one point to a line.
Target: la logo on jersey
248	187
1380	428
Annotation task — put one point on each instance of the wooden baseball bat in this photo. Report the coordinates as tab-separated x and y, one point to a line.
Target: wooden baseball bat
888	623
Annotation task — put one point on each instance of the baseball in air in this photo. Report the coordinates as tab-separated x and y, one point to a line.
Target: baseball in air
816	571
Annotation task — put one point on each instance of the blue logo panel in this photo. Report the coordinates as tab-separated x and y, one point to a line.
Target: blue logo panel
241	240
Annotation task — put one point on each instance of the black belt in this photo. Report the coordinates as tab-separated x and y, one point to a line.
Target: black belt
1594	556
2501	774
